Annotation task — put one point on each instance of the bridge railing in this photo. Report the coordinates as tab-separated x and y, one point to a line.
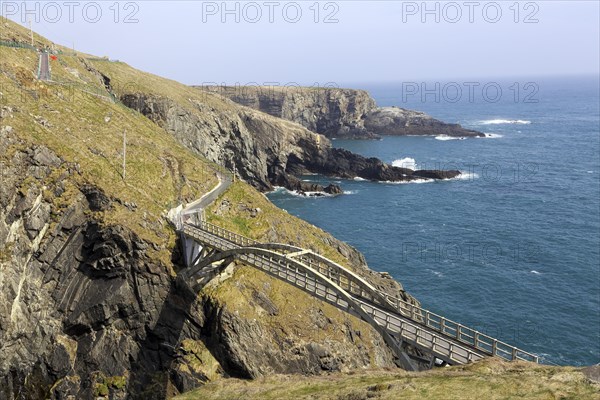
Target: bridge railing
352	284
461	332
225	234
344	278
438	323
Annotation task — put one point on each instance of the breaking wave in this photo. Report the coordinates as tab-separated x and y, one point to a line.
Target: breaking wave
504	121
424	180
492	136
406	162
446	137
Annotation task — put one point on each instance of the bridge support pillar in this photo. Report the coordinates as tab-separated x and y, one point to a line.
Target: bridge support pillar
405	362
191	250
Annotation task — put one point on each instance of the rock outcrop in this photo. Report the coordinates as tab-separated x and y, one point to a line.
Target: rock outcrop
335	113
338	113
396	121
265	151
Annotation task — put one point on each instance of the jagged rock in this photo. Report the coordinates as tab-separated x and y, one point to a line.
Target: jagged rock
96	198
36	220
250	210
223	207
338	113
436	174
6	112
42	121
345	164
42	156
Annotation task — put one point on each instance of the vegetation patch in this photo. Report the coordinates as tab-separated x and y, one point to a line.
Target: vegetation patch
488	379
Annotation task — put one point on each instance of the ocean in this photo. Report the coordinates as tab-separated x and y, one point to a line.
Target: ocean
513	247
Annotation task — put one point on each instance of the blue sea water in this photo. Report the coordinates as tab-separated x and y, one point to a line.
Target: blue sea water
513	248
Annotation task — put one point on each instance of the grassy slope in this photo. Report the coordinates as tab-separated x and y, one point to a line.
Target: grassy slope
88	130
489	380
270	224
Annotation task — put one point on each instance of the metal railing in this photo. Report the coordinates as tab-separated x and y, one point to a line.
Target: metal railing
17	45
460	332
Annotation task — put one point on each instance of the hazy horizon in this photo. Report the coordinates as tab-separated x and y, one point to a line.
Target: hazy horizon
344	42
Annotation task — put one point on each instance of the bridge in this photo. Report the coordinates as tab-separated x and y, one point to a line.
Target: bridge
44	67
209	249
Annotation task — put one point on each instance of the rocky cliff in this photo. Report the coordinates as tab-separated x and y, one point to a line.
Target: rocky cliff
331	112
89	307
338	113
263	150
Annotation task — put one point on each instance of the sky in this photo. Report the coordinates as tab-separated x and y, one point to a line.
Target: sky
319	43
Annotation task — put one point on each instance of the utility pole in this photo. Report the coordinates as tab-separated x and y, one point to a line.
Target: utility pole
124	151
31	31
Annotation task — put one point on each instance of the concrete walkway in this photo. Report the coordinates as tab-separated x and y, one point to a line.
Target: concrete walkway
44	67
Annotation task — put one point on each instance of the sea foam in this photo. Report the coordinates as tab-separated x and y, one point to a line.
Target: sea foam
504	121
406	162
465	176
491	136
446	137
424	180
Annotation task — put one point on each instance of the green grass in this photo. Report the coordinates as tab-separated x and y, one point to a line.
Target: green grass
488	379
271	224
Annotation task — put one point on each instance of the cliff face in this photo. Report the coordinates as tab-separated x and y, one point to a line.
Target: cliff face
335	113
240	139
338	113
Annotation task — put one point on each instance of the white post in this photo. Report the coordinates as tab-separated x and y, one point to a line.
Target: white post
31	32
124	151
